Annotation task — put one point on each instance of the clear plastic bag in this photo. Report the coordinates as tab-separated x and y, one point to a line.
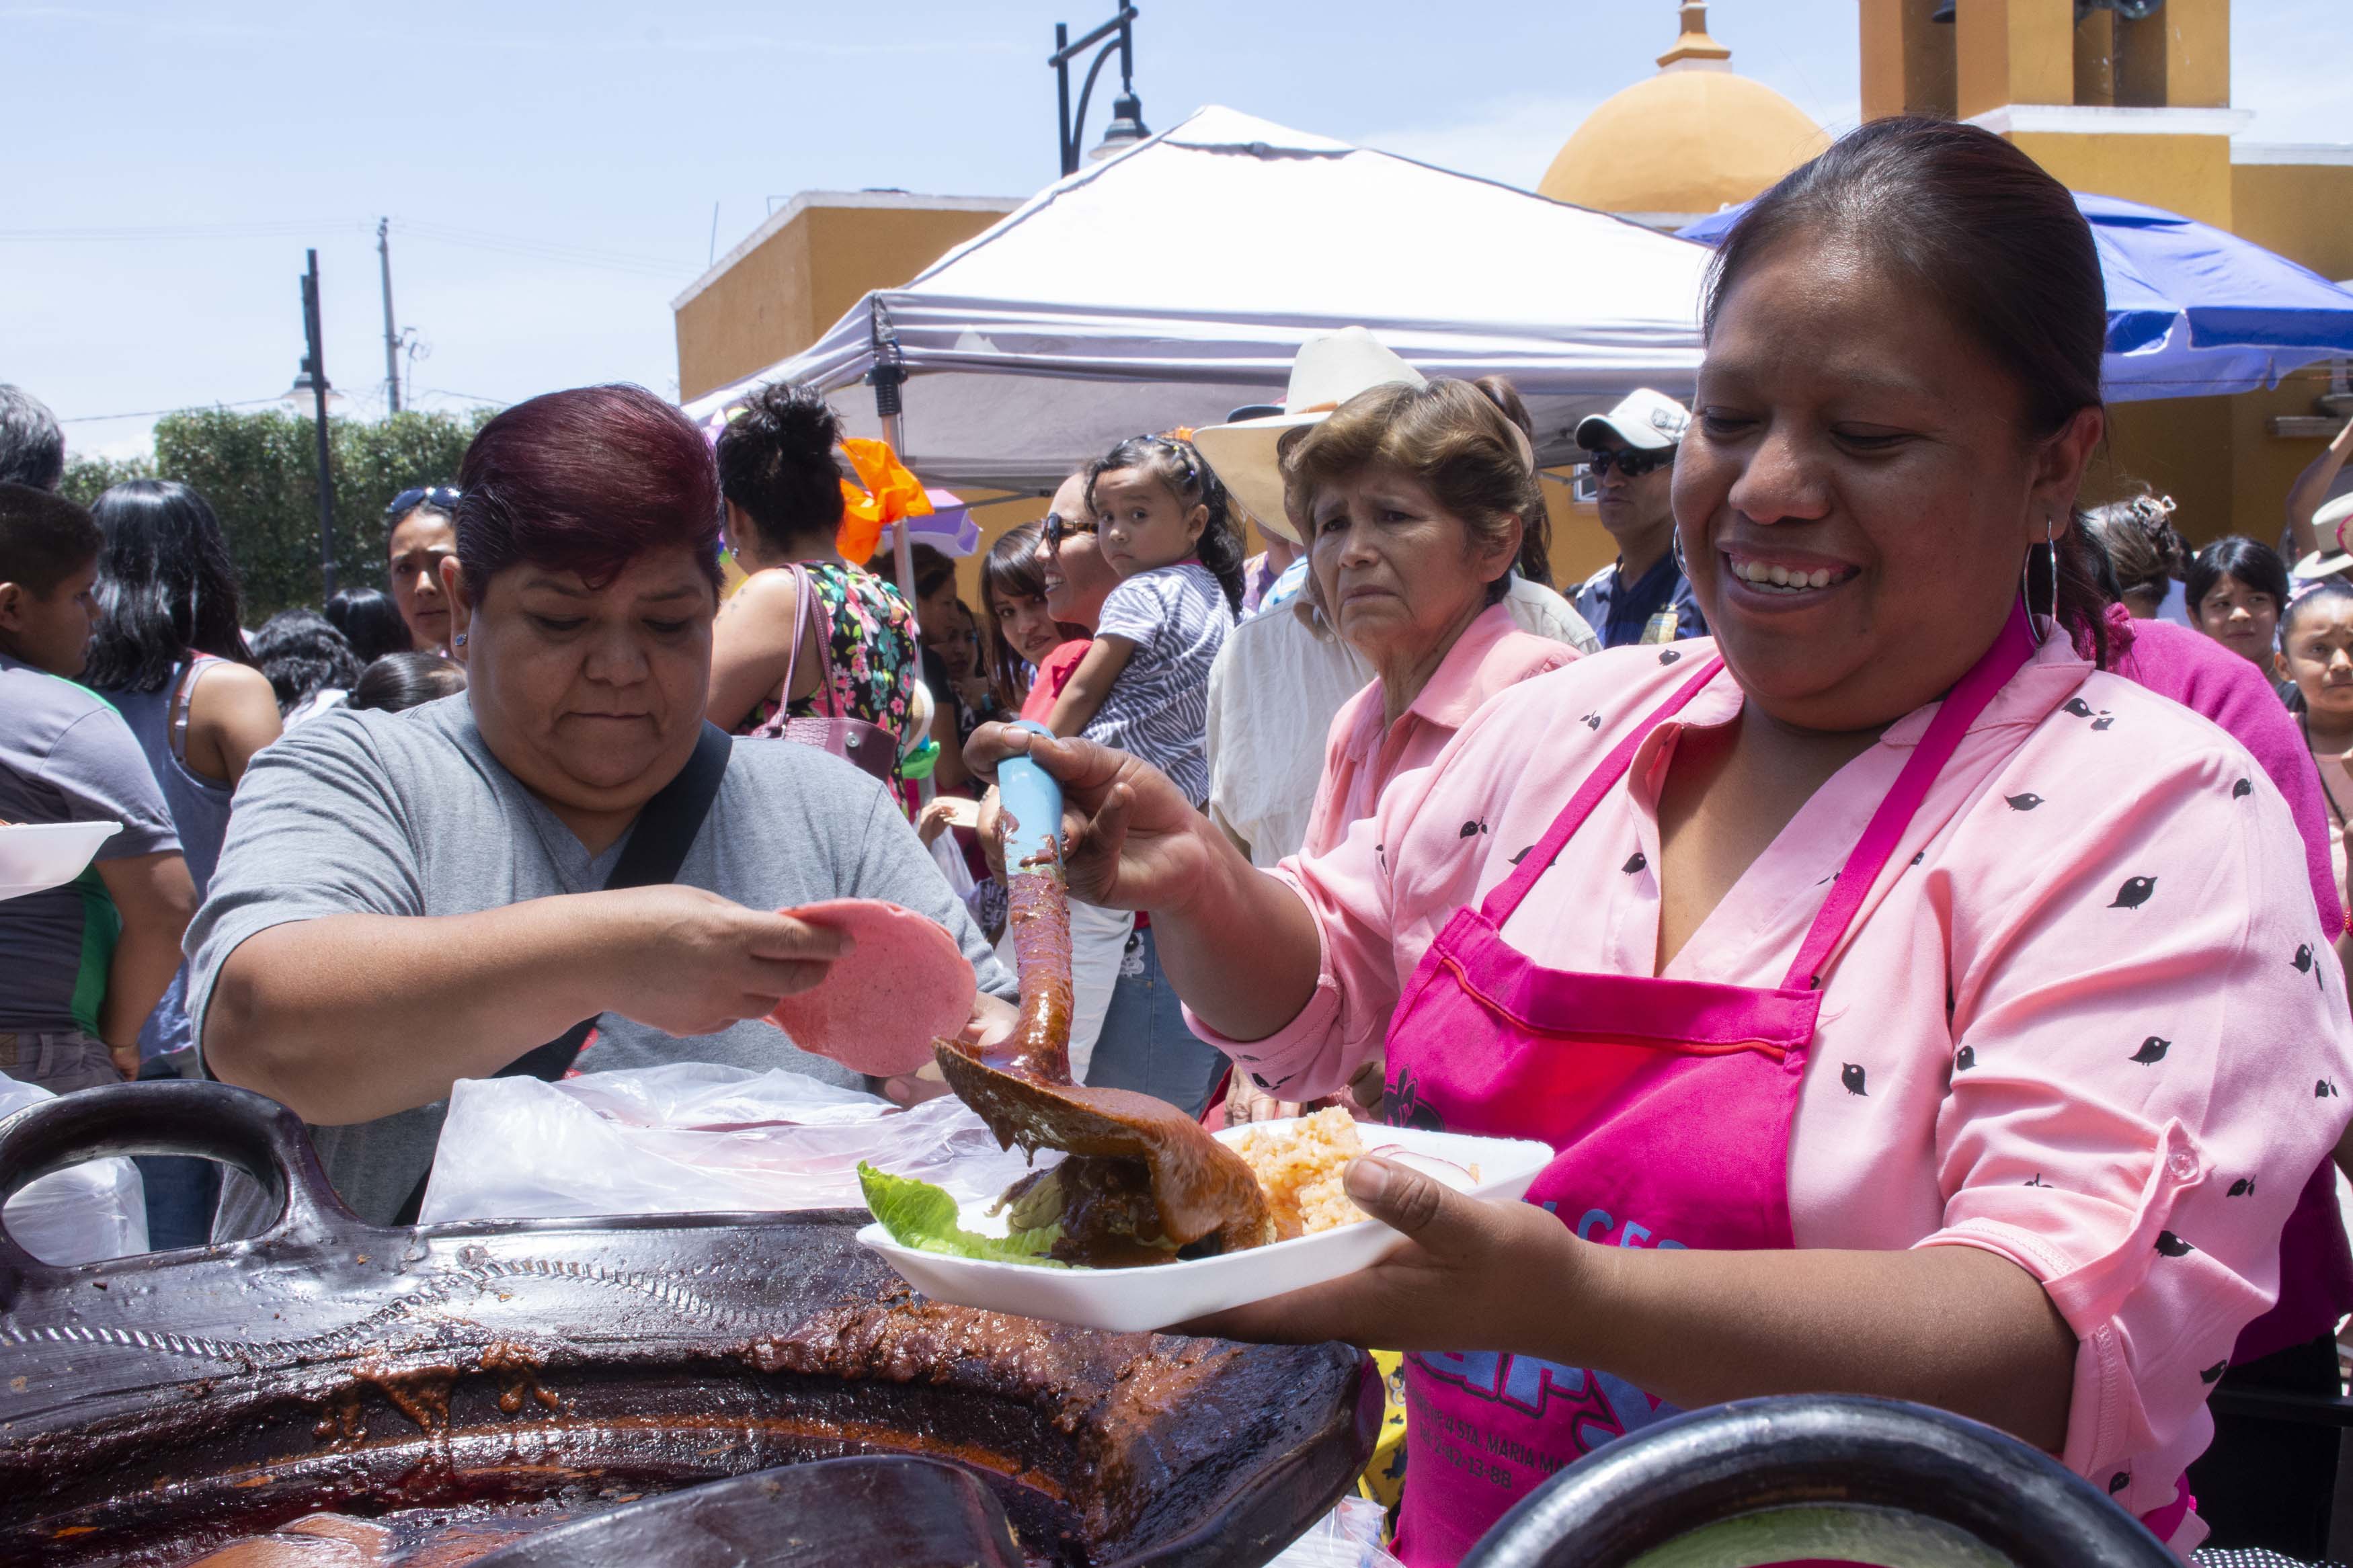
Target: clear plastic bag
692	1137
1347	1537
93	1210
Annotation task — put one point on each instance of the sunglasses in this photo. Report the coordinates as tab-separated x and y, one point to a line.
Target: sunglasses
1629	462
1059	527
440	498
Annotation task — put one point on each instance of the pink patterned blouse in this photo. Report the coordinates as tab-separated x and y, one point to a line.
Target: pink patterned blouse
2087	1015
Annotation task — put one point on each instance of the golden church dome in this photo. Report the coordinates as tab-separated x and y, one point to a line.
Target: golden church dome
1685	142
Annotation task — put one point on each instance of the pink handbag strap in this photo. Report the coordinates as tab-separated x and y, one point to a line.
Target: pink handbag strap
804	614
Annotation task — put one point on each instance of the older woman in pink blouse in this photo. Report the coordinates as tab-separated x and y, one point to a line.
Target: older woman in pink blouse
1415	502
1914	1008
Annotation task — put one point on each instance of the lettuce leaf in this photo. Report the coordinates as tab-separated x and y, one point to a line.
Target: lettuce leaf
924	1217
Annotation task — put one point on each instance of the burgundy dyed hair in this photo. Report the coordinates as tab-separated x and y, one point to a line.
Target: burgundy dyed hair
585	481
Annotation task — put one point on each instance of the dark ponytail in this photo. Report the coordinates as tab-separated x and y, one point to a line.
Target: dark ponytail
775	462
1984	232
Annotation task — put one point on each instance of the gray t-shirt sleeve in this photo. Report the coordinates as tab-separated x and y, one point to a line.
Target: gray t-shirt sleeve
317	830
98	768
892	864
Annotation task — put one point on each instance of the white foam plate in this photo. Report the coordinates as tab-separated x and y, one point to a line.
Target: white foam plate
1132	1301
37	856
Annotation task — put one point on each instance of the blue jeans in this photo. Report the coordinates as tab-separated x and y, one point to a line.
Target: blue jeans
181	1190
1145	1044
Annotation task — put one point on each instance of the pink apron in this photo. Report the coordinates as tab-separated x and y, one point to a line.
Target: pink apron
1668	1101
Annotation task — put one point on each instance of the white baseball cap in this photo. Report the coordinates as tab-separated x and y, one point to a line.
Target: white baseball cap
1644	418
1327	371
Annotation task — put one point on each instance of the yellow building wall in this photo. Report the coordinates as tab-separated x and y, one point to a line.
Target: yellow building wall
777	300
2014	51
2187	175
2303	211
2182	446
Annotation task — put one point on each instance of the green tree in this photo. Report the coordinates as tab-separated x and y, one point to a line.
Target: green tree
87	478
260	473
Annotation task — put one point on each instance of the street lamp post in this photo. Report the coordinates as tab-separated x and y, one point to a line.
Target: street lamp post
1126	127
314	365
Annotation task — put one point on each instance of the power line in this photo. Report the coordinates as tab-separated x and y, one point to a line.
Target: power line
158	413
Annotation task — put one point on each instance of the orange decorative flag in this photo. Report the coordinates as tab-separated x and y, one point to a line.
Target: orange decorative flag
890	493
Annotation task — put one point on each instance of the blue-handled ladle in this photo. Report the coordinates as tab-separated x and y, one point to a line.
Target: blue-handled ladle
1021	1085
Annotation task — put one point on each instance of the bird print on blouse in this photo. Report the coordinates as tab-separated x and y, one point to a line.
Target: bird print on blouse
2133	893
2152	1050
2172	1246
1635	865
2026	802
1851	1074
1964	1058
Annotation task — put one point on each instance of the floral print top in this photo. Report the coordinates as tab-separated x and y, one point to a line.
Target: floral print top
871	656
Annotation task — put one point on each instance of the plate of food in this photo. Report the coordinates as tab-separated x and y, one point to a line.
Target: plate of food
37	856
1148	1219
981	1255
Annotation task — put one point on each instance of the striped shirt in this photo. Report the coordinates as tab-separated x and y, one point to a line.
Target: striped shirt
1158	709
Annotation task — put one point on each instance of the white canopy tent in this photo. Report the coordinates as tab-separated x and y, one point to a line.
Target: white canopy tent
1176	281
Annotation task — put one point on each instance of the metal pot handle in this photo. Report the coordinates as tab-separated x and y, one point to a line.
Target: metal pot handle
172	1116
1637	1494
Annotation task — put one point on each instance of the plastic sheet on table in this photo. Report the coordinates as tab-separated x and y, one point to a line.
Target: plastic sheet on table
80	1215
692	1137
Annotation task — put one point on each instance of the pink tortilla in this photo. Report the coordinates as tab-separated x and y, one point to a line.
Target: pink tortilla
877	1010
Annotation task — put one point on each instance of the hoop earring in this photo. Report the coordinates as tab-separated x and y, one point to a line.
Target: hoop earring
1675	545
2025	596
2050	543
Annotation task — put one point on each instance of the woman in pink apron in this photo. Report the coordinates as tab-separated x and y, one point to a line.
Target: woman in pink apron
1913	1008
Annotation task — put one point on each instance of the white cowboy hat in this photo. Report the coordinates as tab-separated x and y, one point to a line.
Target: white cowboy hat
2330	523
1329	370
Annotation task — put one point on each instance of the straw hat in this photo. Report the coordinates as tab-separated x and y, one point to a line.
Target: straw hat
1329	370
2328	522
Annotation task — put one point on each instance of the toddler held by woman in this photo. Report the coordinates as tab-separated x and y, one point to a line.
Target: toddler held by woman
1165	526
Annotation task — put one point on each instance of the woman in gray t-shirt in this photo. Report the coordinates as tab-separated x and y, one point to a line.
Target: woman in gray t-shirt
409	898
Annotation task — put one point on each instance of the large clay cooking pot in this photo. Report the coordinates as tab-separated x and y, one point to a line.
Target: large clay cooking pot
154	1408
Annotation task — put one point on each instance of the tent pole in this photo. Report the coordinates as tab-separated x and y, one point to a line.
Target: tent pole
889	374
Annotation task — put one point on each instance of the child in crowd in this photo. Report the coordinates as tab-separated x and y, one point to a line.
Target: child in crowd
2236	588
1164	525
85	962
2316	655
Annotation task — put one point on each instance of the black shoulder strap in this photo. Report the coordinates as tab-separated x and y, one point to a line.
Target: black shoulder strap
664	831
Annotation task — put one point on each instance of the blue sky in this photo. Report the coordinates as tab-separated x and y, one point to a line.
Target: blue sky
552	170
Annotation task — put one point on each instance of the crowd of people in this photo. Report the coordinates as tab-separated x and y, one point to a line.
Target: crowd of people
1913	904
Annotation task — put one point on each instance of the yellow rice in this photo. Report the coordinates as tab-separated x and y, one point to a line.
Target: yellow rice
1300	1167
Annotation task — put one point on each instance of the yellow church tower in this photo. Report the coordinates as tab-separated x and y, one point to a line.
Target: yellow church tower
2132	99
